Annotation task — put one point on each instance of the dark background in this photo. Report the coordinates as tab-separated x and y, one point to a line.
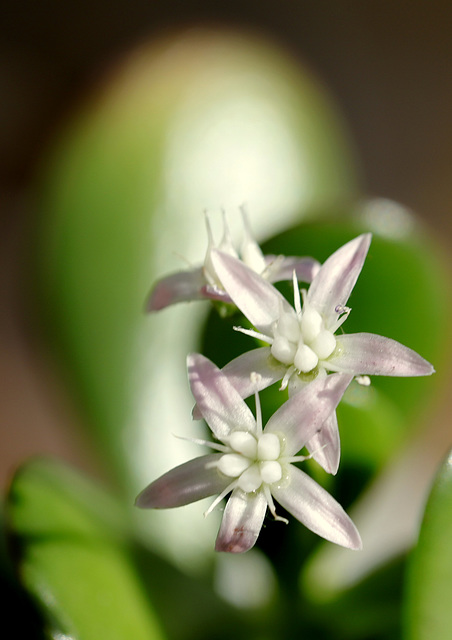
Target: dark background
389	65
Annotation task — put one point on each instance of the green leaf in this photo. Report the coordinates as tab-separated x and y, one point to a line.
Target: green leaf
72	551
428	611
202	120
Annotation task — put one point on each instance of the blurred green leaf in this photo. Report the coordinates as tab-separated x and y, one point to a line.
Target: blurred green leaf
202	120
69	541
428	611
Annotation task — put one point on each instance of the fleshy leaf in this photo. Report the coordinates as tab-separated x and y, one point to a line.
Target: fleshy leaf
72	558
428	611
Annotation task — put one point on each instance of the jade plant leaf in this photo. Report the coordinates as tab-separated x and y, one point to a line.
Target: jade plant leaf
70	543
428	594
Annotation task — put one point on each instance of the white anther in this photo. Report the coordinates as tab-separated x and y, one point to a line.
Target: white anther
305	359
244	443
250	480
311	324
268	447
270	471
324	344
255	377
283	350
233	464
363	380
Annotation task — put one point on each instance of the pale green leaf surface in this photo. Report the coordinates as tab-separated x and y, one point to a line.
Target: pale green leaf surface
71	545
428	610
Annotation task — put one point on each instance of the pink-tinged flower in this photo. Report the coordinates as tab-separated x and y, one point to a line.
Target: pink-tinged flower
302	341
255	464
203	283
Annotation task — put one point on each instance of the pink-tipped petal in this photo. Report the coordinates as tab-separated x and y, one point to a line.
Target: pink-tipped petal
371	354
337	276
302	416
256	298
182	286
218	402
239	370
189	482
260	360
325	446
305	268
242	521
317	509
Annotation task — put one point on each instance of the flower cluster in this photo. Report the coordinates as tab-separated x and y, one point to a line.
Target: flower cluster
305	353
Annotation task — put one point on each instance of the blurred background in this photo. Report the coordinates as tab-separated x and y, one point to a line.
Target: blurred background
387	64
365	87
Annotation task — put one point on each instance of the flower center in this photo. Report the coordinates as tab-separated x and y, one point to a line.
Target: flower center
302	339
252	460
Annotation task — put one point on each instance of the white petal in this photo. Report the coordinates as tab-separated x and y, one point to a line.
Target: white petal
218	402
305	268
256	298
336	278
260	360
371	354
239	370
189	482
242	521
325	446
317	509
182	286
298	420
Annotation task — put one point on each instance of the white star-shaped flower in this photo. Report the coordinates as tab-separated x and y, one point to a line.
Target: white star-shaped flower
255	464
302	341
203	283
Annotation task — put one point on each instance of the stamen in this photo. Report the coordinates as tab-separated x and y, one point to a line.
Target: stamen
303	458
287	376
271	504
343	312
272	267
296	294
255	379
219	498
254	334
363	380
210	242
226	244
213	445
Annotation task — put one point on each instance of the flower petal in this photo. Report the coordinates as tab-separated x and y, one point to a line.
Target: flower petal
182	286
239	370
259	360
337	276
189	482
242	521
256	298
325	446
305	268
303	414
371	354
316	509
219	403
